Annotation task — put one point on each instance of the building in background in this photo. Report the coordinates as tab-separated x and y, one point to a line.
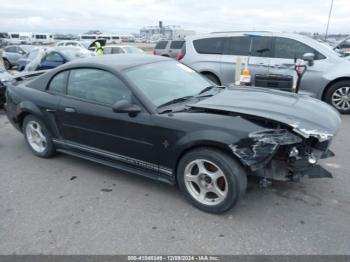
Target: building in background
161	32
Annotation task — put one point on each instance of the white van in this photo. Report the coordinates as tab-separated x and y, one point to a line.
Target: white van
17	38
110	39
116	39
86	37
42	38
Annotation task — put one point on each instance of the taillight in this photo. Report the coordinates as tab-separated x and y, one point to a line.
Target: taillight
154	52
180	56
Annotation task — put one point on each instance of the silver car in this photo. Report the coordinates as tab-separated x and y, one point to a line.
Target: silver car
168	48
13	53
70	43
327	76
121	49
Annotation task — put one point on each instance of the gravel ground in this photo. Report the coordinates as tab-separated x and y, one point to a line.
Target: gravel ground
67	205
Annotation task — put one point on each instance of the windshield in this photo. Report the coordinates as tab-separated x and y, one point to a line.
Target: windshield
165	81
133	50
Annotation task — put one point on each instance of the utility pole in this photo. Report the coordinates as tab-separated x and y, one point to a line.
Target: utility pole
329	18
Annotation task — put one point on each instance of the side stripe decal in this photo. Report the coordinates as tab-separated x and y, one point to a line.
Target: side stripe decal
125	159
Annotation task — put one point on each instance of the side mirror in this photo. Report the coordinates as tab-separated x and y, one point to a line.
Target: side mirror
309	58
124	106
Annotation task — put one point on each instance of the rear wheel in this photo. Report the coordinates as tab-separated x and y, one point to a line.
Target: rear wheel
38	137
338	95
7	64
211	180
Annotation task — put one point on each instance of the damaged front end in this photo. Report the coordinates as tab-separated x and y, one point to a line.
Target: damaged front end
283	154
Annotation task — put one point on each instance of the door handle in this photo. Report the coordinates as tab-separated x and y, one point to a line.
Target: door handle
69	110
50	110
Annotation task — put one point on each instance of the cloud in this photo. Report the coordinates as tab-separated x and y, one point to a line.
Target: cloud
203	16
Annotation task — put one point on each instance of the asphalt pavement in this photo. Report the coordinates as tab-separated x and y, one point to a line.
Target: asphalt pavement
66	205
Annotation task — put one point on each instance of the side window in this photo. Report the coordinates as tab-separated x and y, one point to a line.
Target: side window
11	49
97	85
54	57
209	45
107	50
291	49
161	45
237	45
71	44
176	44
117	50
262	46
58	82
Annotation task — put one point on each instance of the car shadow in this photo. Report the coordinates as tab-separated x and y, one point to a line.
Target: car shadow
256	199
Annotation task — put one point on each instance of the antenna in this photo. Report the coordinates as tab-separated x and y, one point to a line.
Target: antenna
329	18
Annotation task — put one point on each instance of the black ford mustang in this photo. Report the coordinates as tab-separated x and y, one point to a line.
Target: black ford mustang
155	117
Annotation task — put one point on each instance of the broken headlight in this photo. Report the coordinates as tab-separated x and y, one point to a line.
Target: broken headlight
275	136
262	145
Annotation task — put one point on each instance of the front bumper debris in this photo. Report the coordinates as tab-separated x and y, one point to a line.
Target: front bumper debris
281	155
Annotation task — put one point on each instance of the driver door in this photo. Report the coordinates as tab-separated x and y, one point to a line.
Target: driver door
86	119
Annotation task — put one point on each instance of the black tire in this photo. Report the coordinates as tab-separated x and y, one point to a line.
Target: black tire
7	64
213	78
331	91
235	175
50	148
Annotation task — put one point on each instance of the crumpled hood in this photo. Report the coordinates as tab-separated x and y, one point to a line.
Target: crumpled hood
308	116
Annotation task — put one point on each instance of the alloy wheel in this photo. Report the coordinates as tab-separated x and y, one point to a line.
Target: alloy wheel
36	137
206	182
341	98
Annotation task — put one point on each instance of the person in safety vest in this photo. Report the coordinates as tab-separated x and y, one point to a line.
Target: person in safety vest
99	49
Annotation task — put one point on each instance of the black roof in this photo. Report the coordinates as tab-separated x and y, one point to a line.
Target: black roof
118	61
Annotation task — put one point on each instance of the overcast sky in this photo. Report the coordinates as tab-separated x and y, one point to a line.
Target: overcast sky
78	16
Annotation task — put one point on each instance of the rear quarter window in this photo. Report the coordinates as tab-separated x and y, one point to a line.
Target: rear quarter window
176	44
209	45
161	45
58	83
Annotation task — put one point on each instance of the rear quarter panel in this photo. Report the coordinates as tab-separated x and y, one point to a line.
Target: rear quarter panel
22	100
202	62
